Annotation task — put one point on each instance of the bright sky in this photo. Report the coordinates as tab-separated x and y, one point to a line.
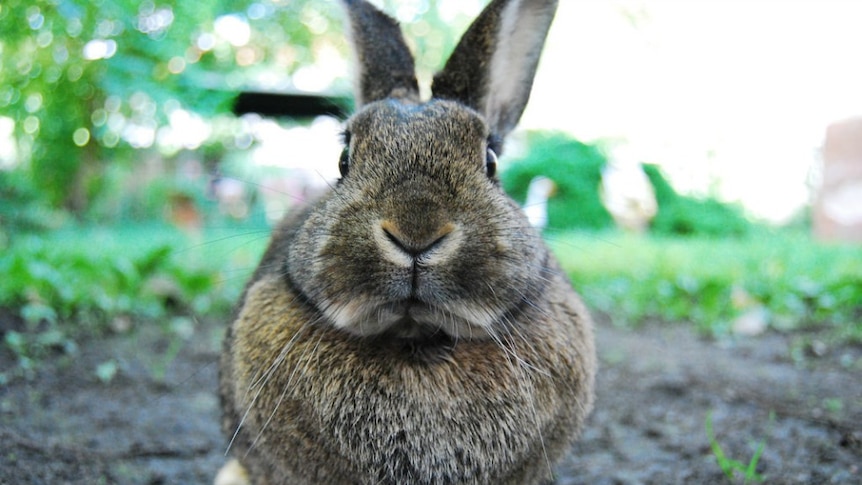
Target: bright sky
731	94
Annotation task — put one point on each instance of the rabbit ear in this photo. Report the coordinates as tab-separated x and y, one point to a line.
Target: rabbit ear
384	63
492	68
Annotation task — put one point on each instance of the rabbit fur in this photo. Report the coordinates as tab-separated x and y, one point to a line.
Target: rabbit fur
410	327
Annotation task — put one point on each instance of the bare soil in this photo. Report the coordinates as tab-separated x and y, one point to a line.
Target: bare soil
152	424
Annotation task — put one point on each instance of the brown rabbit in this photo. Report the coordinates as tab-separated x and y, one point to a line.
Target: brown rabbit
411	327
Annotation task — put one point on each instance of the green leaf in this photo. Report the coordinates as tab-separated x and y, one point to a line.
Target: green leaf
106	371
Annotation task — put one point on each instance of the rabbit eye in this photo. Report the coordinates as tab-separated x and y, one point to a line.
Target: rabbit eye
490	162
344	162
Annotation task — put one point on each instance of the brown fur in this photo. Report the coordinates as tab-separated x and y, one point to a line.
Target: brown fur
410	327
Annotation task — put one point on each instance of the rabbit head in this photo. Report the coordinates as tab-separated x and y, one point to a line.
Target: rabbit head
418	236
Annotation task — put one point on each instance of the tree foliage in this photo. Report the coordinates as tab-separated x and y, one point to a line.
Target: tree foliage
576	170
86	82
682	215
92	84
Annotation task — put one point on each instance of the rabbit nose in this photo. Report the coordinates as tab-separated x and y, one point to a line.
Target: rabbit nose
420	242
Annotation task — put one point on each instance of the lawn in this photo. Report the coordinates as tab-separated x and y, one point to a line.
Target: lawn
89	279
790	280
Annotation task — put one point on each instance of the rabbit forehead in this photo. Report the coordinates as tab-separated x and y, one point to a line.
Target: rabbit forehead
441	122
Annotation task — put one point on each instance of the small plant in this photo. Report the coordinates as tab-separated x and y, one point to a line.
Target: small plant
576	170
106	371
681	215
729	466
178	331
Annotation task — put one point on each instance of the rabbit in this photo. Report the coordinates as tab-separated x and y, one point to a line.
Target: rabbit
410	326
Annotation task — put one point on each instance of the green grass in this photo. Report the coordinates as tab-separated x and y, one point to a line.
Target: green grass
87	273
709	282
83	280
730	466
79	281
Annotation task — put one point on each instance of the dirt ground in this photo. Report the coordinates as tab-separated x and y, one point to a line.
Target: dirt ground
151	424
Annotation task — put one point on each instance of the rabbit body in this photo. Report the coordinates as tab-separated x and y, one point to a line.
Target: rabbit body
410	327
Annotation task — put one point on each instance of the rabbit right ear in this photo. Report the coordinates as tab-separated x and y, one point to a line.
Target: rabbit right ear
384	63
492	68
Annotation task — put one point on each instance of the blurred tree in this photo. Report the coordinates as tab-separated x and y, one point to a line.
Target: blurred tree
681	215
576	170
87	81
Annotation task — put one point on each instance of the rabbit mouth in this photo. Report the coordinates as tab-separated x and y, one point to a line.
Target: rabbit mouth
418	320
408	328
411	318
414	319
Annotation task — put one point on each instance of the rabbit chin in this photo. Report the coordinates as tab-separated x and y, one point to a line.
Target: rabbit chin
413	319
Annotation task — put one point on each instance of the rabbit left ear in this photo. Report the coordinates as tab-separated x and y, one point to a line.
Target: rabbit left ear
492	68
385	65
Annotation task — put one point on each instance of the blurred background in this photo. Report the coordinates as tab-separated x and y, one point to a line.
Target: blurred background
688	161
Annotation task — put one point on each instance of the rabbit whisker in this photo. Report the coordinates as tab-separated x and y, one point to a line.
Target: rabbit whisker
266	188
306	357
523	369
260	384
